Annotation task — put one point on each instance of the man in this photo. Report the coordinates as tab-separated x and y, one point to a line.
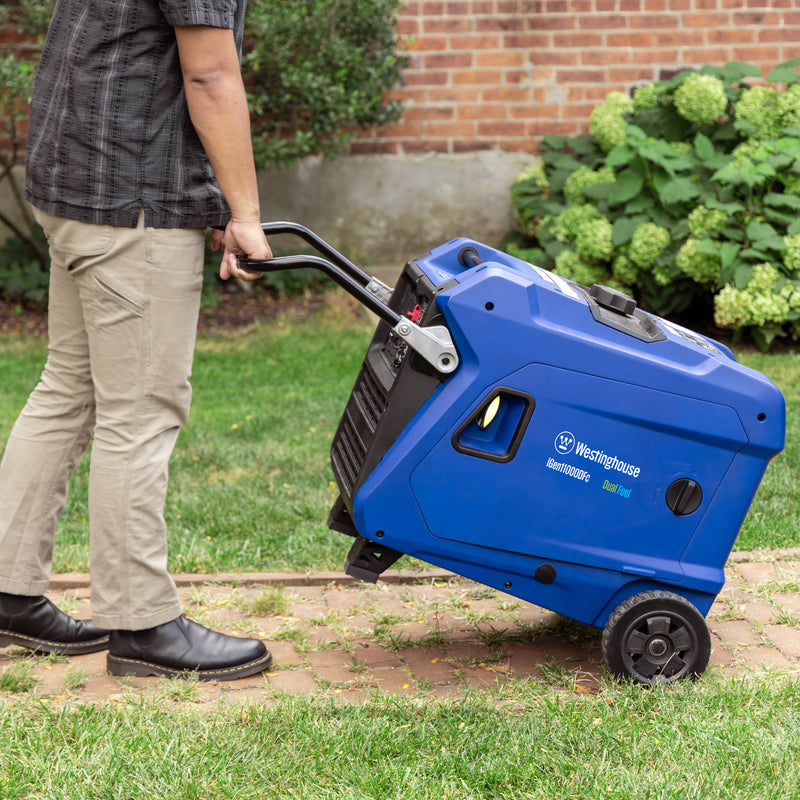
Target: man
139	140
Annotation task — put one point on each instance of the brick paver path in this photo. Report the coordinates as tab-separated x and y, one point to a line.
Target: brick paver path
429	634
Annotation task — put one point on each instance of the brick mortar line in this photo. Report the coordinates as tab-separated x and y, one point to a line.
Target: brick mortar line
78	580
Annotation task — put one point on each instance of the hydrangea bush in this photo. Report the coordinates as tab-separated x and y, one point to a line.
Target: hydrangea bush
685	195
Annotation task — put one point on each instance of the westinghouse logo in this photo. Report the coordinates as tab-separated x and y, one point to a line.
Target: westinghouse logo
565	443
606	461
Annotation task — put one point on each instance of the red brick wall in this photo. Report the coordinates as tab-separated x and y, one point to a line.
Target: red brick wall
10	39
490	74
502	73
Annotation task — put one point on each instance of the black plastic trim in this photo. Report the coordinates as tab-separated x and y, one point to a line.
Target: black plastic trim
516	438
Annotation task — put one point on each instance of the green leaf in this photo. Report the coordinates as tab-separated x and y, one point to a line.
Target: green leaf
745	126
732	233
553	249
584	145
729	208
742	275
624	228
620	156
660	179
789	143
704	147
749	174
786	72
734	71
676	80
777	243
728	251
759	231
627	186
779	161
756	255
600	191
679	190
779	217
708	246
678	228
555	141
551	207
567	162
637	205
774	199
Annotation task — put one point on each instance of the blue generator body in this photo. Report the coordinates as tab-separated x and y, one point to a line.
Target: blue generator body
575	452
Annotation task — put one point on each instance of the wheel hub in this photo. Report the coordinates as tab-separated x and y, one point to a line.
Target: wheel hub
658	647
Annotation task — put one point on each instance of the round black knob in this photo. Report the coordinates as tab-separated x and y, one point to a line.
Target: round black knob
545	573
684	497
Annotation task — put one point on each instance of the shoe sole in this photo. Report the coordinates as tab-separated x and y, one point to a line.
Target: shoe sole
144	669
8	638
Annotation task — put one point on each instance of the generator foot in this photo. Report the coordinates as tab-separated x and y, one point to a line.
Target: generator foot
367	560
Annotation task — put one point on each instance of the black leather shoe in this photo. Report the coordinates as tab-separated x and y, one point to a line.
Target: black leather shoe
35	623
182	648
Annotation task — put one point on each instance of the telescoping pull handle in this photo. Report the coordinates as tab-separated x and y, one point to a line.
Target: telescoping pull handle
433	343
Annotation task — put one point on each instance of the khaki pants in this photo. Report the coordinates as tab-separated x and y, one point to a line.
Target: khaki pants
123	310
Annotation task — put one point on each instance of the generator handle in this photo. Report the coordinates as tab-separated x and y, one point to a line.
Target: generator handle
348	282
433	343
320	245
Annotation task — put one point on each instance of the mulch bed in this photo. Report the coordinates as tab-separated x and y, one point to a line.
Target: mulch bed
231	309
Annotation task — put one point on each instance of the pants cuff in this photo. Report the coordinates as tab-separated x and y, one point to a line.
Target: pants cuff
132	622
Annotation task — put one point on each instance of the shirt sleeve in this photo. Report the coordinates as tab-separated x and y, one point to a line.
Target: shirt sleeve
214	13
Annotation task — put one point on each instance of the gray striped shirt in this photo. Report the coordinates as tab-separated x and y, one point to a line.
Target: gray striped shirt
109	132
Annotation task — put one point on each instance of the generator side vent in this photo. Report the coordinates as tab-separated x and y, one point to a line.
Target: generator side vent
348	454
371	399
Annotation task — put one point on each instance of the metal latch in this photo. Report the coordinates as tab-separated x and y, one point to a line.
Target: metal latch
380	290
434	344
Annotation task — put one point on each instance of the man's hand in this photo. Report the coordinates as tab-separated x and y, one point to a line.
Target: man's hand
240	239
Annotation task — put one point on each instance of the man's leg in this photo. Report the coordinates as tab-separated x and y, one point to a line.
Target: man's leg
49	437
45	445
140	304
150	299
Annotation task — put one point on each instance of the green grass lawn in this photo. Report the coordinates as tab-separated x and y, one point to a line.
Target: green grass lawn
774	518
709	741
251	484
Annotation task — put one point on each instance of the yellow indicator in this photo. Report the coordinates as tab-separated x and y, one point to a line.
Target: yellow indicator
487	416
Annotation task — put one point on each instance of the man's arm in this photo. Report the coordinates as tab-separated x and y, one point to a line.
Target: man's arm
217	104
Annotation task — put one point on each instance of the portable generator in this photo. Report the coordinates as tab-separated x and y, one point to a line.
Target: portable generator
550	440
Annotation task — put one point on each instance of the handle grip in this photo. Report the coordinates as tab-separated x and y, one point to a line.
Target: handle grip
433	343
347	281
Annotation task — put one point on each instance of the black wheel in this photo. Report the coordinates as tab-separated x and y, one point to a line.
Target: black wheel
656	637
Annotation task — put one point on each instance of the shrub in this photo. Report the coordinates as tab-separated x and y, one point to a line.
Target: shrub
689	192
16	82
316	71
23	276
